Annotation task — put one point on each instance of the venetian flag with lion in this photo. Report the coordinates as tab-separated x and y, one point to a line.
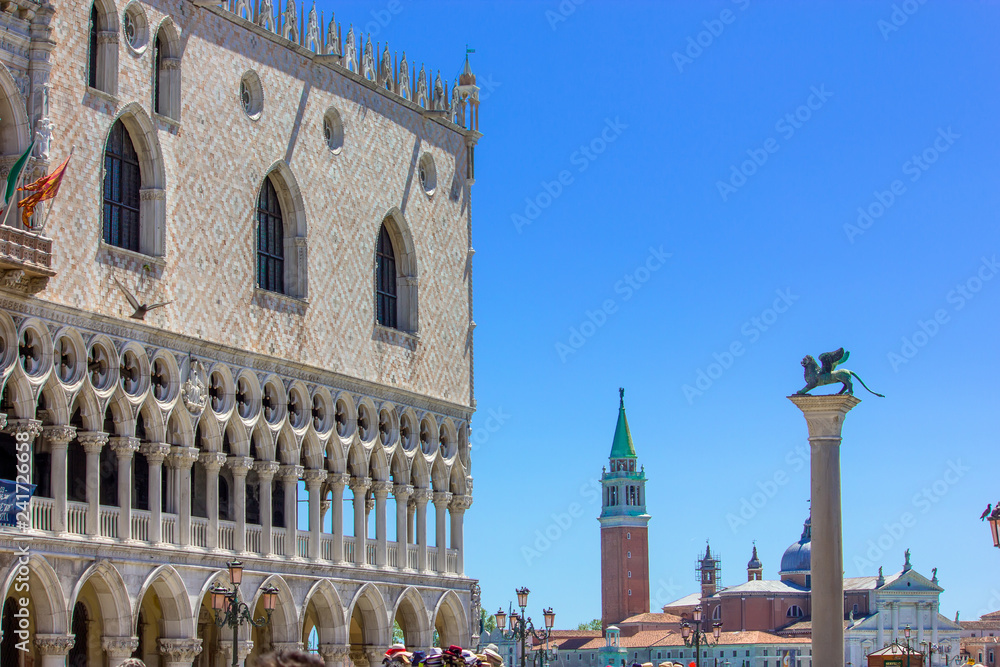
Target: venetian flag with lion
46	187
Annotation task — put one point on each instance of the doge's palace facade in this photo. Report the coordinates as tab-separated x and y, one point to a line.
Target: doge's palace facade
253	293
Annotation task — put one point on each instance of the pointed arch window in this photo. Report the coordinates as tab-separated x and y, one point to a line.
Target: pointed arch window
385	280
102	47
92	50
122	182
270	240
157	70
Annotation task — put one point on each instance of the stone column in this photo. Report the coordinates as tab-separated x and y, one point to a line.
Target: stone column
934	623
118	649
54	648
182	458
92	442
457	511
290	477
880	625
411	512
441	500
243	649
825	420
374	655
895	620
920	624
402	493
380	490
212	461
337	481
155	453
124	448
334	655
179	652
359	487
240	466
58	438
420	498
314	485
265	473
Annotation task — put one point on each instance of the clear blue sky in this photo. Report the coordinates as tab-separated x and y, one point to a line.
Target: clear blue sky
673	130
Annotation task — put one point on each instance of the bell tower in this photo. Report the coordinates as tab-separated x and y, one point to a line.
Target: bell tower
709	568
624	540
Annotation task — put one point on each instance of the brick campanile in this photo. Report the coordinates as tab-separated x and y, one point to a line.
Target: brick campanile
624	539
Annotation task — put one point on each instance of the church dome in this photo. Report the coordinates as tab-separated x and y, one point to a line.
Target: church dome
797	558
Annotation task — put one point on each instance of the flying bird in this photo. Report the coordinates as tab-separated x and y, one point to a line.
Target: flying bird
140	309
986	512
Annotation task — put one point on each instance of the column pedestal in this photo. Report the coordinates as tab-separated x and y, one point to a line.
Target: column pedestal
825	420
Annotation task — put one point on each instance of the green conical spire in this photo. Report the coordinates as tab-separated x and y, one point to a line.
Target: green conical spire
621	447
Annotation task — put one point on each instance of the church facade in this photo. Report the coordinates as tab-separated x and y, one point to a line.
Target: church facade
253	293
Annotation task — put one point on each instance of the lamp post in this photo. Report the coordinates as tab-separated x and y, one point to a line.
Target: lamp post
230	611
906	633
698	636
994	520
521	628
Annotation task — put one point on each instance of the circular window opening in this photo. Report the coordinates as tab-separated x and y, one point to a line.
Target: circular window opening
251	95
333	130
427	173
135	28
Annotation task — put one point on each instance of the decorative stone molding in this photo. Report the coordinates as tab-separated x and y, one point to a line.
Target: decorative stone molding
287	646
381	489
338	479
183	457
107	37
244	648
402	492
31	427
290	472
152	194
180	650
333	652
360	484
421	496
119	647
54	644
155	452
314	477
441	498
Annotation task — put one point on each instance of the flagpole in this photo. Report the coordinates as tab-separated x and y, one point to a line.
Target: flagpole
14	197
45	216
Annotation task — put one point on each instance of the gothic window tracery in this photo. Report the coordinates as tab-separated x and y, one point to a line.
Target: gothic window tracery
270	240
122	182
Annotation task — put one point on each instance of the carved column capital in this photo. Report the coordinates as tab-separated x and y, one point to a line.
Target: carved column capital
54	644
180	650
32	427
421	496
92	441
287	646
266	470
360	484
244	648
124	446
402	492
333	652
314	477
183	457
338	479
240	465
460	503
119	647
290	473
381	489
441	498
155	452
212	460
59	436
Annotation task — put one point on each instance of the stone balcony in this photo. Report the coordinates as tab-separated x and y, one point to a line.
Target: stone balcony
25	260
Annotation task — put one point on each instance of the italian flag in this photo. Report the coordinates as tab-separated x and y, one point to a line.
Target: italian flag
15	176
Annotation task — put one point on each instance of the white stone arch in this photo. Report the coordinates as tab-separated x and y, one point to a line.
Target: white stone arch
264	439
46	593
20	394
239	437
15	129
112	596
211	433
152	420
90	408
378	465
420	476
357	461
167	78
180	429
287	444
440	480
105	76
399	467
331	626
121	412
178	619
152	192
312	451
285	618
450	620
293	215
410	607
376	627
56	401
336	455
405	254
457	484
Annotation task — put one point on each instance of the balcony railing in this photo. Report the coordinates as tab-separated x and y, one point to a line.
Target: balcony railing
303	543
253	538
168	528
278	540
349	549
199	532
76	517
41	513
227	535
25	260
140	525
108	521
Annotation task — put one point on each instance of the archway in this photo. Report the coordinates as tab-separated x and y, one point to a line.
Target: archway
450	621
369	629
410	615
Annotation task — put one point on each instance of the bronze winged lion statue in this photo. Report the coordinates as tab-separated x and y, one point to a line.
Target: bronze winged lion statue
817	376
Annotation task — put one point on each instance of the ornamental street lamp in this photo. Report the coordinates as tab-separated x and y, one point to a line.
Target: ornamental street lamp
697	637
230	611
906	633
521	628
995	527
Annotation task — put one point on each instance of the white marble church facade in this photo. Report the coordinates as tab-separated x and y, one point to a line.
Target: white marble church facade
302	206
